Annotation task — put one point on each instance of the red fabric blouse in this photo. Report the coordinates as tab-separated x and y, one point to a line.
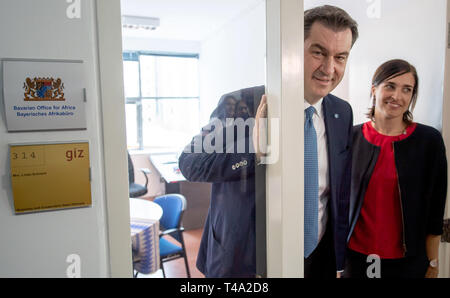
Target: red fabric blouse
379	227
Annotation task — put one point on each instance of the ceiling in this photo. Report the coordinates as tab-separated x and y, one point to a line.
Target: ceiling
192	20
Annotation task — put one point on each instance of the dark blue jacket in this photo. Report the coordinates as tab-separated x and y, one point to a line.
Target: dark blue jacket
421	165
338	124
227	247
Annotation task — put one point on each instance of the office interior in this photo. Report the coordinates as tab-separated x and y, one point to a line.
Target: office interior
209	42
227	45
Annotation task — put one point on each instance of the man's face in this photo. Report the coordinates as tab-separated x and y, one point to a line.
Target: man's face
326	53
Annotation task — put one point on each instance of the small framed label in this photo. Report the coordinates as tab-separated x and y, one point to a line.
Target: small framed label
50	176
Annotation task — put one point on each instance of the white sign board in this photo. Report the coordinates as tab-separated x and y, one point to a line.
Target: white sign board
43	95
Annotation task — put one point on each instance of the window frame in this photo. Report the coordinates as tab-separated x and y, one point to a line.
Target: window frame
135	57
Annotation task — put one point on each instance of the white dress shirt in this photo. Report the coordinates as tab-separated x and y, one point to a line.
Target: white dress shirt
322	155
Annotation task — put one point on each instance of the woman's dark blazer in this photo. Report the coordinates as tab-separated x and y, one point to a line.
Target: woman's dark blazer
421	166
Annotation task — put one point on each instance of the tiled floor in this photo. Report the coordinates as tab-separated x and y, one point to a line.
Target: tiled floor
176	268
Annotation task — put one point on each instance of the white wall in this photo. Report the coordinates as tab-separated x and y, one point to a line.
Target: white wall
37	245
413	30
233	58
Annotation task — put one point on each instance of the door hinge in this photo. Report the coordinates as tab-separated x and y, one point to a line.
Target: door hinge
448	37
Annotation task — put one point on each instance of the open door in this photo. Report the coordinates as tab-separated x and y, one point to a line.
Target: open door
444	250
276	53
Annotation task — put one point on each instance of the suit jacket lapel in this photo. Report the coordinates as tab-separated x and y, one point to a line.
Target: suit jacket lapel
328	113
332	134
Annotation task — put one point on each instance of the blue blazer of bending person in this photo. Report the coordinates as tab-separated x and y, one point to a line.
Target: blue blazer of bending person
221	154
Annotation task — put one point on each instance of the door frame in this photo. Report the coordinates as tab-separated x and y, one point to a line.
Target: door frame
112	105
284	183
444	251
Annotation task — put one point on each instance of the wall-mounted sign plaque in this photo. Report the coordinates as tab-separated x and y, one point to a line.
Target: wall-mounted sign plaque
50	176
44	95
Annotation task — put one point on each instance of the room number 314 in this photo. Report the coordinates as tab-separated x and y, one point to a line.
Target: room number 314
23	155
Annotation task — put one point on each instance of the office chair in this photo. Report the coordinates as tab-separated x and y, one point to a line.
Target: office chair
136	190
173	206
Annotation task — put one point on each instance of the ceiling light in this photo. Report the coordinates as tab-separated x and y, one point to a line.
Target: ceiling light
136	22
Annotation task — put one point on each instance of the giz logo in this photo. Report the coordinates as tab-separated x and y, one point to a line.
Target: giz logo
74	154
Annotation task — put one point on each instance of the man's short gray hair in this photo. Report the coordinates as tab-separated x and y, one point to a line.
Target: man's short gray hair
332	17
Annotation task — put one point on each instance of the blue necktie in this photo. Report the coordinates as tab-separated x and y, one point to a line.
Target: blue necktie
311	207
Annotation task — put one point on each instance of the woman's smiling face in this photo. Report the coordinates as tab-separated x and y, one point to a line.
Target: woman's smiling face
393	96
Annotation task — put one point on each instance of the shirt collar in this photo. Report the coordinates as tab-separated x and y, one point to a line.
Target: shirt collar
317	106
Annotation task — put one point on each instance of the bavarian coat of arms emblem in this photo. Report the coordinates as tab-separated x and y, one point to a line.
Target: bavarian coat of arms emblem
43	89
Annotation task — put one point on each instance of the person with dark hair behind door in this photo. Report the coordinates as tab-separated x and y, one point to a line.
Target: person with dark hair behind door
399	182
228	244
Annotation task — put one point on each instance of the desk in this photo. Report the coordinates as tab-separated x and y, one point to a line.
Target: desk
144	222
167	167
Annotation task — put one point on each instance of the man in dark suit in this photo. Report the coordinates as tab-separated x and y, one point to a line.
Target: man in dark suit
329	36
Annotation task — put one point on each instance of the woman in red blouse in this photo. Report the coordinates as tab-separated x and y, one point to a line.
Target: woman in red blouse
399	182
